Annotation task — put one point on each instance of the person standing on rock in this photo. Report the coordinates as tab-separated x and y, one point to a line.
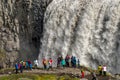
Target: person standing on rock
27	65
36	63
16	67
21	68
67	60
100	70
58	61
63	63
24	64
78	63
50	63
104	70
30	64
94	76
74	62
44	63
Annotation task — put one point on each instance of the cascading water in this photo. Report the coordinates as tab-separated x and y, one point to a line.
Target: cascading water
87	29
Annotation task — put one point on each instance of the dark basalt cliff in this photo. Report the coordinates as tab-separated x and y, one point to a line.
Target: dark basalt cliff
21	28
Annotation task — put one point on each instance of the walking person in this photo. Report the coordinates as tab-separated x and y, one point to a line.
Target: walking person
82	74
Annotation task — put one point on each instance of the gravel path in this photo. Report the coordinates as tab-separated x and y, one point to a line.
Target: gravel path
75	72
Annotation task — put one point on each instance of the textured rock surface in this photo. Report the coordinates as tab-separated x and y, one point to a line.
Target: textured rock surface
21	26
88	29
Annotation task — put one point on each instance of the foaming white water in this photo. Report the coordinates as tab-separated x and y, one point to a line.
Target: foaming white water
87	29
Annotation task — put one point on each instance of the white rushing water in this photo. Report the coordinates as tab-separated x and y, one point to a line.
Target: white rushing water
87	29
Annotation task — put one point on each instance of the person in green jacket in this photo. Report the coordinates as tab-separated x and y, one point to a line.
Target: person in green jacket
63	63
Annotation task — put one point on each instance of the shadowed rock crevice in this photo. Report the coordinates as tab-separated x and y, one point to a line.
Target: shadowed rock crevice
21	28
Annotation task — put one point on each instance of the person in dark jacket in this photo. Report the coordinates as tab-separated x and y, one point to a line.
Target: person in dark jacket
78	63
74	62
58	61
21	68
94	77
67	60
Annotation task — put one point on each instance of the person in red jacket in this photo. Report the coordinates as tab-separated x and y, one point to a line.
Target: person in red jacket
82	74
50	63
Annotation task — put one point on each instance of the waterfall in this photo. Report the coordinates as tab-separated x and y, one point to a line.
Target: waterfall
87	29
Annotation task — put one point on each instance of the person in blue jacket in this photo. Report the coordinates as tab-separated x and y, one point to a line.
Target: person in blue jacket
16	68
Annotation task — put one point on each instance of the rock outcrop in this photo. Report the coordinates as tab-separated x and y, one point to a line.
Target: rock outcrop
21	27
88	29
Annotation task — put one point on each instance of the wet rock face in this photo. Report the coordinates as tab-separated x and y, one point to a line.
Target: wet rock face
21	27
88	29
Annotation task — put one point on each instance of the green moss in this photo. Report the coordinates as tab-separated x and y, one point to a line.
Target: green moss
37	77
20	77
48	77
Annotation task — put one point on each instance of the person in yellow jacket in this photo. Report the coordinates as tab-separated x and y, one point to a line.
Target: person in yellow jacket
100	70
45	63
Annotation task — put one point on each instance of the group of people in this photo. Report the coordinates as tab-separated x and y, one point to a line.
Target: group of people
23	65
68	61
102	70
47	63
62	62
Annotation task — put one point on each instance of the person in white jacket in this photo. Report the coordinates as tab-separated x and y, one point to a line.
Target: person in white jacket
36	63
104	70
